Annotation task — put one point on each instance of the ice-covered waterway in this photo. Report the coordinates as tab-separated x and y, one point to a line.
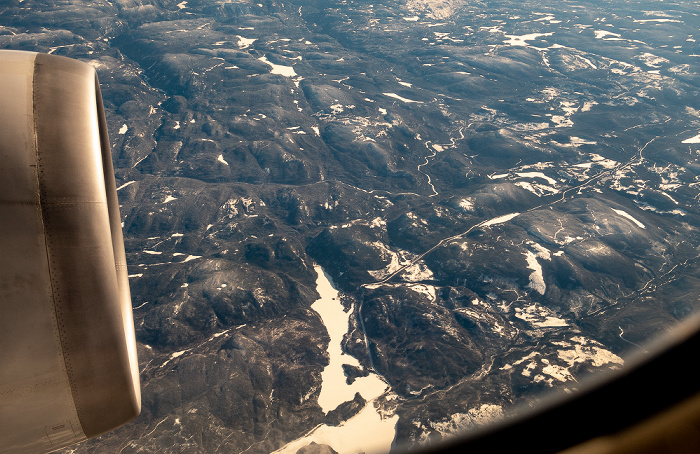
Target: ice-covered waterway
334	387
368	431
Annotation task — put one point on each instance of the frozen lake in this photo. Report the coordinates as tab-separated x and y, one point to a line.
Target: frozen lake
365	432
334	388
368	431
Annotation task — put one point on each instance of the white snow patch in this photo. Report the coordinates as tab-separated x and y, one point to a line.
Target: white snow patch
417	272
577	141
397	260
466	204
286	71
499	220
221	159
244	43
604	34
539	316
576	350
394	95
644	21
541	251
562	121
521	40
630	217
123	129
695	139
586	350
598	160
537	189
378	223
541	175
459	422
536	278
426	290
125	185
651	60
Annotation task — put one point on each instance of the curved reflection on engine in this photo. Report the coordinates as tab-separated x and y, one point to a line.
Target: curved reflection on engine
68	367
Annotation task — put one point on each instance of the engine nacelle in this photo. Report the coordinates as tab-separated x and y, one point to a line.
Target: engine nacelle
68	367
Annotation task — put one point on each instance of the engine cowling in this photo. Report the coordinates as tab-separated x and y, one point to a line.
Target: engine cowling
68	366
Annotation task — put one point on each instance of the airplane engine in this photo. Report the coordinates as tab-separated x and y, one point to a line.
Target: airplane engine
68	366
